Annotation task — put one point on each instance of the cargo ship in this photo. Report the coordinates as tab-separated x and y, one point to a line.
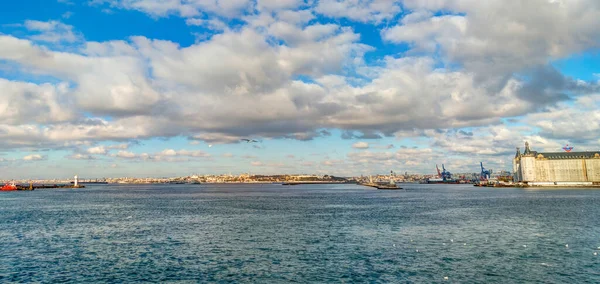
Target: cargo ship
441	181
444	177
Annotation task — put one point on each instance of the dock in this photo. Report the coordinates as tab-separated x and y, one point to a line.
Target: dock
316	182
496	185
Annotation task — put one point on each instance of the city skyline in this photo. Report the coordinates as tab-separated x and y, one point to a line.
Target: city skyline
112	88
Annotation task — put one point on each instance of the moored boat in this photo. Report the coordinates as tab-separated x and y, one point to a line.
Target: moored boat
8	187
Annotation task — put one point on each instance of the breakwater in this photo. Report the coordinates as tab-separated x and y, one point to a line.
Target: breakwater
318	182
386	186
46	186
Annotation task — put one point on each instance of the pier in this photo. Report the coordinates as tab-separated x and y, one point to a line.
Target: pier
386	186
44	186
13	186
391	185
317	182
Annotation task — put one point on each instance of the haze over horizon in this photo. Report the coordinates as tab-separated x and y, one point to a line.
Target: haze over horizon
342	87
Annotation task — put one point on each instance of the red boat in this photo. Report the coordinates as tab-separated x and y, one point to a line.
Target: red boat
9	187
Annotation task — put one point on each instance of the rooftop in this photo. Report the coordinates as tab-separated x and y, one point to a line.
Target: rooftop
559	155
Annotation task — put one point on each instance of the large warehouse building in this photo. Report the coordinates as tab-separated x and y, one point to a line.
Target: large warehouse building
556	168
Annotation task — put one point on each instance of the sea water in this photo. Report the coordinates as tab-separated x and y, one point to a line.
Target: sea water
305	233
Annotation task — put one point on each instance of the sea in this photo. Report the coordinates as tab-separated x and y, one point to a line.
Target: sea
270	233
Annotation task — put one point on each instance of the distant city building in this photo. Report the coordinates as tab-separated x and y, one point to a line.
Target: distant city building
556	168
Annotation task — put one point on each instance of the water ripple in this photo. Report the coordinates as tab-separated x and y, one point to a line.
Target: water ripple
313	233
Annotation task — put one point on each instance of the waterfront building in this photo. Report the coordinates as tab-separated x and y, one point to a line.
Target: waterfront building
556	168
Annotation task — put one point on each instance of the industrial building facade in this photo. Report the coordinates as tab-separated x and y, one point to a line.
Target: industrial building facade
556	168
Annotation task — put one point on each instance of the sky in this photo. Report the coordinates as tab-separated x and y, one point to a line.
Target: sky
114	88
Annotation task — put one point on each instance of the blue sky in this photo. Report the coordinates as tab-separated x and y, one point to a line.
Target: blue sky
115	88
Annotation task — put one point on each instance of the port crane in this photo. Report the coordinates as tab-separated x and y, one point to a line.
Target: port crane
446	175
485	174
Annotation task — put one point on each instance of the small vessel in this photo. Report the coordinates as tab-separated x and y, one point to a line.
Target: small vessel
9	187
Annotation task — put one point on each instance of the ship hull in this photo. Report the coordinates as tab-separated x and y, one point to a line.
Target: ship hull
8	187
443	182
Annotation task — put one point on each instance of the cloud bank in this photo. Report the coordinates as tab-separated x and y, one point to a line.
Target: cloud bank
300	69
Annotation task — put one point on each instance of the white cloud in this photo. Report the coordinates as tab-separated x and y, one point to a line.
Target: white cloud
70	134
216	137
52	31
410	93
278	4
332	163
213	24
35	157
578	122
192	88
493	38
78	156
360	145
281	72
414	156
98	150
359	10
426	34
113	85
126	154
295	17
168	152
167	155
122	146
195	154
183	8
22	103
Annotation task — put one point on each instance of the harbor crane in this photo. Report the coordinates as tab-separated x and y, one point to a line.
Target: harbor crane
446	175
485	174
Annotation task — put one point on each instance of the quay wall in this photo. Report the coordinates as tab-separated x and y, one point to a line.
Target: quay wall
563	184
